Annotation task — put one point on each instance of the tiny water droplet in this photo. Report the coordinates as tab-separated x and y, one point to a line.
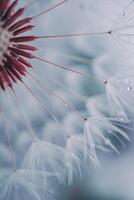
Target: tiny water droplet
91	157
129	88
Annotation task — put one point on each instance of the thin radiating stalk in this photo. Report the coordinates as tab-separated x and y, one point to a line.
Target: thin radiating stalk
48	90
71	70
14	167
49	9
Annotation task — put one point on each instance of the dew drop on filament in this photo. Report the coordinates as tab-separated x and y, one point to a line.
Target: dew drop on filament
129	88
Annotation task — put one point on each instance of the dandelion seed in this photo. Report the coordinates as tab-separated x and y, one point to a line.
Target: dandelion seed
121	30
89	145
16	185
45	157
98	132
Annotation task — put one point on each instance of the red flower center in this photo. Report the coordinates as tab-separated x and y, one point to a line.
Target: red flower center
13	53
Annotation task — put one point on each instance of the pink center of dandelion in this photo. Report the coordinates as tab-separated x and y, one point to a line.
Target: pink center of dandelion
13	54
13	50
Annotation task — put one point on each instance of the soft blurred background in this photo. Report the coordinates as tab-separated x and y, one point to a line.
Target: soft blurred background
98	55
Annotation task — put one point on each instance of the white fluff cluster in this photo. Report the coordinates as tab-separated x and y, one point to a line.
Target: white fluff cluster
72	113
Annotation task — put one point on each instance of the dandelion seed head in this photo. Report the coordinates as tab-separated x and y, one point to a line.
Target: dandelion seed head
65	151
100	131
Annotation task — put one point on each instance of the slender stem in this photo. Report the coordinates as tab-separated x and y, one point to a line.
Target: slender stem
24	116
28	3
9	143
44	106
49	9
57	96
72	35
57	83
71	70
